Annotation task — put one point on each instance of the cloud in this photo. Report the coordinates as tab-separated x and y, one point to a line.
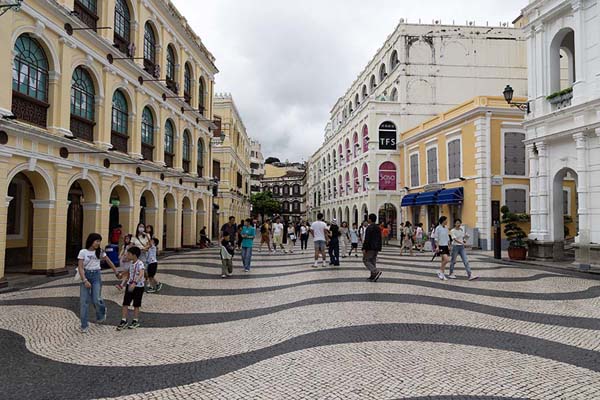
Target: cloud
287	62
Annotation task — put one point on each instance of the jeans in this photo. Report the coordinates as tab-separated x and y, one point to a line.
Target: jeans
93	296
246	257
303	241
370	261
334	252
456	250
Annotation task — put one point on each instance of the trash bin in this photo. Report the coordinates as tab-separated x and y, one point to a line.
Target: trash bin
112	251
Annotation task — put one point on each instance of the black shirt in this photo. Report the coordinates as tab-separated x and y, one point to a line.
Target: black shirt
372	238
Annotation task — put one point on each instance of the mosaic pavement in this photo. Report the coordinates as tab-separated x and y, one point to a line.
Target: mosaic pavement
288	331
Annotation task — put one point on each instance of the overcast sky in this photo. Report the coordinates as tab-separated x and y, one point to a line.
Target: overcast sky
286	62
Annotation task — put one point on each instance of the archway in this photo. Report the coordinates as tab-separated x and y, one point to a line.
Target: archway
328	215
200	219
564	217
28	224
346	215
388	214
364	212
149	210
334	214
120	213
169	238
355	215
187	224
82	214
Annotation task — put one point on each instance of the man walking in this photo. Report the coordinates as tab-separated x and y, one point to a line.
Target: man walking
319	232
371	247
278	235
230	228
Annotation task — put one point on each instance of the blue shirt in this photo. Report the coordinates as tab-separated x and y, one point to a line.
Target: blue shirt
249	231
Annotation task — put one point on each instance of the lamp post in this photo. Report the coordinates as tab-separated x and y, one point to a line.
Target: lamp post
508	96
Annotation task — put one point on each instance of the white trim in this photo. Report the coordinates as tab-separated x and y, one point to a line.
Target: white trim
437	162
503	132
520	187
454	132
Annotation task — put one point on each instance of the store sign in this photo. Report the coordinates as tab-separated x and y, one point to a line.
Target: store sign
387	180
387	136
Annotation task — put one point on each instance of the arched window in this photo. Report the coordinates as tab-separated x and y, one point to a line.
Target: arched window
149	49
200	162
394	61
387	176
347	188
348	151
341	183
365	138
335	191
201	96
82	105
373	83
355	145
394	96
86	11
341	152
334	158
147	134
365	93
119	122
355	181
122	32
171	61
350	108
562	62
328	162
186	151
187	84
30	81
365	177
169	143
382	72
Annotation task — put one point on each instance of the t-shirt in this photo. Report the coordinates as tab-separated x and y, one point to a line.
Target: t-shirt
152	254
134	272
441	235
303	230
228	246
419	233
90	261
318	228
277	229
231	229
458	236
249	231
353	235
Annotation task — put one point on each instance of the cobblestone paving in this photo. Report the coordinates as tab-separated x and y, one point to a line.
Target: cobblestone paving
289	331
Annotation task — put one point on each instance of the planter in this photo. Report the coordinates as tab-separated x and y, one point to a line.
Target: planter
517	253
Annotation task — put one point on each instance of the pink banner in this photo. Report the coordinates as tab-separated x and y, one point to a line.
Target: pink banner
387	180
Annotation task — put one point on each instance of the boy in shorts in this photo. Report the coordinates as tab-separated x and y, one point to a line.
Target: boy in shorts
135	290
153	285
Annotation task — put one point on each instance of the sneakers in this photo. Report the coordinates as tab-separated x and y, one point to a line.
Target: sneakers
122	325
315	265
150	289
84	330
223	276
442	276
377	275
451	276
246	270
134	324
473	277
159	286
101	320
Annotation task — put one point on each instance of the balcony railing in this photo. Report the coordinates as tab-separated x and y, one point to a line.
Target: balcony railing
119	141
82	128
28	109
148	152
85	15
151	68
122	44
186	165
169	159
200	171
172	85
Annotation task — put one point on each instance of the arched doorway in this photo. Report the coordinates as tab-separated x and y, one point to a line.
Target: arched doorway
333	214
169	222
120	213
355	215
564	217
187	231
200	221
389	215
148	209
28	224
347	215
364	212
82	215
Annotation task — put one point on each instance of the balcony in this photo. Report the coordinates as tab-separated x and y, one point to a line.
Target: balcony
200	171
186	165
82	128
119	141
148	152
122	44
28	109
86	16
172	85
169	159
560	100
151	68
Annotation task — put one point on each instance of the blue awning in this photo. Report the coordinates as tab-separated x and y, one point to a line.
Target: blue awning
426	198
451	196
409	200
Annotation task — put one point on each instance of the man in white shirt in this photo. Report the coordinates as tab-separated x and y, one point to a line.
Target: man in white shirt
319	232
278	234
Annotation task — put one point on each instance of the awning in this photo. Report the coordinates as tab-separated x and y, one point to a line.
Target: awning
451	196
426	198
409	200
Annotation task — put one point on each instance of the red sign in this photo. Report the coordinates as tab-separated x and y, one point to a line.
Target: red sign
387	180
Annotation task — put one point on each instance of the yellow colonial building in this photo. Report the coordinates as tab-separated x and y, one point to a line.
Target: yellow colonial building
106	120
466	163
231	162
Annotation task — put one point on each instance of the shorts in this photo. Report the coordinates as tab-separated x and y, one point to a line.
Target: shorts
152	267
135	296
355	245
445	250
277	239
320	245
264	238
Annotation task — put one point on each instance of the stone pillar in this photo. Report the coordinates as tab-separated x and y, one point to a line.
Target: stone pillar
126	218
42	242
91	219
59	229
171	223
533	190
583	189
60	117
135	134
543	192
189	223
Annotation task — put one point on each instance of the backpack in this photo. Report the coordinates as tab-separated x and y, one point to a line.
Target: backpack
263	229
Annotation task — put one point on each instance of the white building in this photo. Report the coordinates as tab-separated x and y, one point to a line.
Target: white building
419	72
564	126
257	166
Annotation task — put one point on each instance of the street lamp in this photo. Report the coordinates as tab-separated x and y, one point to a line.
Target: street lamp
508	96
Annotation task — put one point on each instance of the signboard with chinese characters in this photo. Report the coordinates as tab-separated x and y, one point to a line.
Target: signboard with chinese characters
387	136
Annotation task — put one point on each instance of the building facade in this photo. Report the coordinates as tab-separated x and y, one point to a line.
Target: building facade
90	137
257	166
420	71
563	129
287	183
231	162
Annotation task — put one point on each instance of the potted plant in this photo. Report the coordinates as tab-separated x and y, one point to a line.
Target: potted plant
517	246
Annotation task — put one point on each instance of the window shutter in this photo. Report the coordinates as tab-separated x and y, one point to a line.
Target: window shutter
414	170
454	159
514	154
432	165
516	200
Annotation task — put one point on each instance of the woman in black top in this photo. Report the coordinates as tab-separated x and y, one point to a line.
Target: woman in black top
334	244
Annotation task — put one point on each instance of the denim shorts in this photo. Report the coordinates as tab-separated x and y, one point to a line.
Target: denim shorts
320	245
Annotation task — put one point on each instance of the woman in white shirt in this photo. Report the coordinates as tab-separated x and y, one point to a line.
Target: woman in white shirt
459	238
142	241
442	241
89	270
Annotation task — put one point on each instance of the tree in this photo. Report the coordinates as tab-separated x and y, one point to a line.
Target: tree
272	160
264	204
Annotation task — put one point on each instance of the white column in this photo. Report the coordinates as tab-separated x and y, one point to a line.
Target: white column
533	191
543	195
583	189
